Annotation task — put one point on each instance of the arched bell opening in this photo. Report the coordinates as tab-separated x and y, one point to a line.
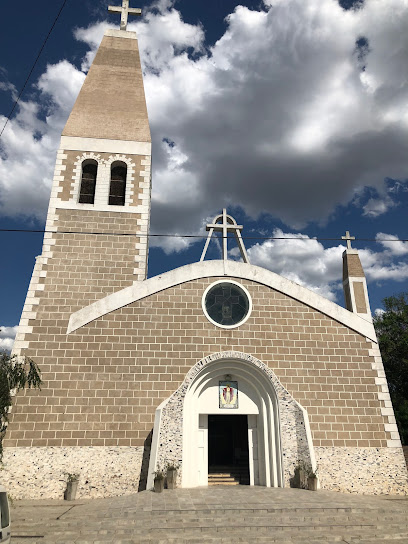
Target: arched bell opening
89	170
117	188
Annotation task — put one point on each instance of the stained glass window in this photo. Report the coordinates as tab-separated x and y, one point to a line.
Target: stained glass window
226	304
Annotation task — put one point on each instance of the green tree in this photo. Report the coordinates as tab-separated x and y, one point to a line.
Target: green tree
15	374
392	332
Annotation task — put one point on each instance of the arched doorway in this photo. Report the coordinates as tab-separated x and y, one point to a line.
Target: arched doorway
256	414
277	426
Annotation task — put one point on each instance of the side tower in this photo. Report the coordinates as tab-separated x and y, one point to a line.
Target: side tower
98	217
354	282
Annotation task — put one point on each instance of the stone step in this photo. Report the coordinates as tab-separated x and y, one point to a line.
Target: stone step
239	526
222	478
168	535
223	482
228	517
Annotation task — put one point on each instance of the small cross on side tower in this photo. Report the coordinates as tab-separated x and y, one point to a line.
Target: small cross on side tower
125	11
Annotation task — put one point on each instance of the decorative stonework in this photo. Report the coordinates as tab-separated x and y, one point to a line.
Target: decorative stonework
36	286
40	473
295	443
143	202
362	470
103	179
390	424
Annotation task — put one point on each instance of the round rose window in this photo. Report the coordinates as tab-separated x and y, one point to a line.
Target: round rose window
226	304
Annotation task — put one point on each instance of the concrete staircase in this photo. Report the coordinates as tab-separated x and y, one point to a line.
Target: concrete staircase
225	475
216	515
222	478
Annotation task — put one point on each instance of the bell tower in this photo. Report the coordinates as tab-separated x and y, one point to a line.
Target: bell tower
96	239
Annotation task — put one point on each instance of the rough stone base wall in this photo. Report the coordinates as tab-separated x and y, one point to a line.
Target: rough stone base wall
372	471
39	473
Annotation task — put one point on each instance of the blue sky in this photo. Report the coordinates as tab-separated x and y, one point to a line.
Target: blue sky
292	114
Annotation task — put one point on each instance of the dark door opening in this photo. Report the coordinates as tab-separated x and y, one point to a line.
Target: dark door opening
228	448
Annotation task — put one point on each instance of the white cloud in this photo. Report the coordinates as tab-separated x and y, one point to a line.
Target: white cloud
29	143
392	243
302	260
277	117
377	206
383	265
308	263
7	336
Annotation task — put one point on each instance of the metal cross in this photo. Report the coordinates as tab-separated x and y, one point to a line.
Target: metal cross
348	238
125	11
225	223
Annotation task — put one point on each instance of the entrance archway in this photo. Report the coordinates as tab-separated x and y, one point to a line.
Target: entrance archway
257	401
279	436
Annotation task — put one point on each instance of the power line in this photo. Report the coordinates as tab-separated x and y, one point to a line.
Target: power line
140	235
33	66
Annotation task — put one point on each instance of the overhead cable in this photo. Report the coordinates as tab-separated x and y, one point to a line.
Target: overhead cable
33	66
142	235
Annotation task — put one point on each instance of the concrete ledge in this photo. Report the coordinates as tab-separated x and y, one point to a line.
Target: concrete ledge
115	33
102	145
207	269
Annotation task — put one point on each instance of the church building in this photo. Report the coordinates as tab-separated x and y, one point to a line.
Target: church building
220	366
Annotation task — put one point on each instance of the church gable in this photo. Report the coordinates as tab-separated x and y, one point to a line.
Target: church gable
308	351
213	269
144	350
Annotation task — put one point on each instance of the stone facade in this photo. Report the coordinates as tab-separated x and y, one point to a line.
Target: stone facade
41	473
362	470
104	381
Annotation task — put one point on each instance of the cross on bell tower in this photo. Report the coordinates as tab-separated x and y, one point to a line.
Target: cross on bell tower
225	223
125	11
348	239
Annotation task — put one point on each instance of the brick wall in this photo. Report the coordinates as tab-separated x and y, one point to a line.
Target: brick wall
103	382
352	266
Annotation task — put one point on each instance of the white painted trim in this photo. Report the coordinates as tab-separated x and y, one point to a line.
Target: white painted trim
154	446
309	441
384	398
219	324
70	205
348	284
114	33
208	269
101	145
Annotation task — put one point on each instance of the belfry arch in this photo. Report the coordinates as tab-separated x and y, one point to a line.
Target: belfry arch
278	428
